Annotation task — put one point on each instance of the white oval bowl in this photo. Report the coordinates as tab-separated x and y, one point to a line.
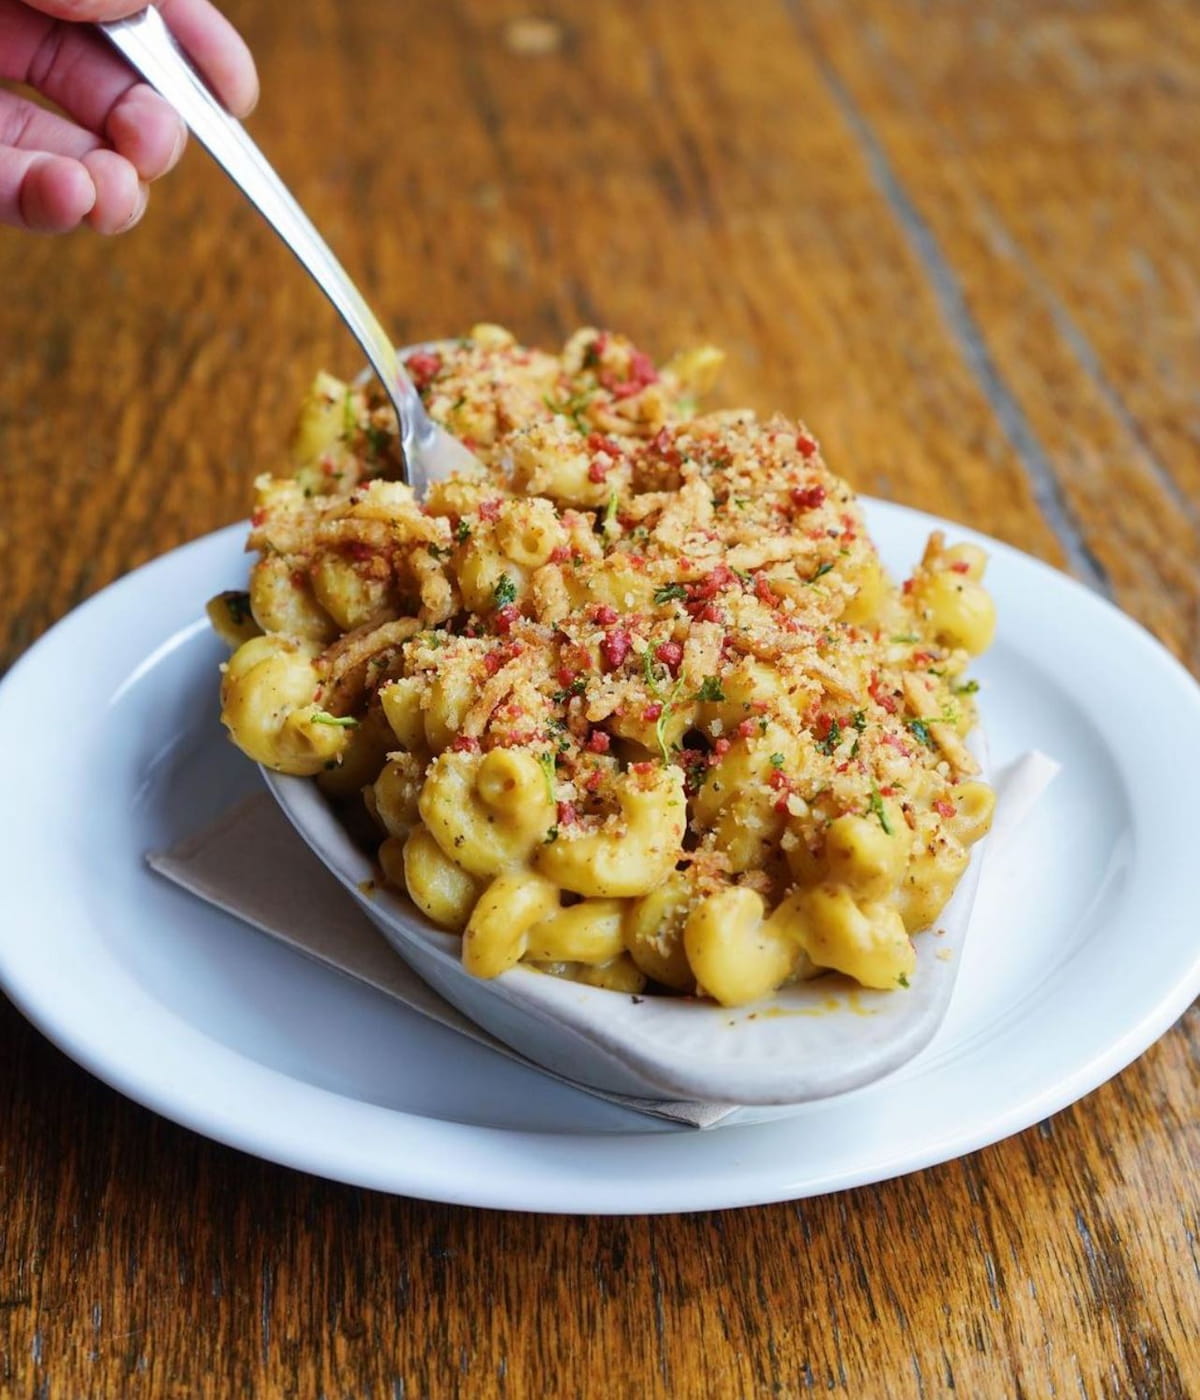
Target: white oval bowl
804	1042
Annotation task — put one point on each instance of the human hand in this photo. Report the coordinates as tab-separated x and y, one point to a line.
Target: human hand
92	164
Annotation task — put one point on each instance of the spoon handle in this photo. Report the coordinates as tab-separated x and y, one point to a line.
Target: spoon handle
146	42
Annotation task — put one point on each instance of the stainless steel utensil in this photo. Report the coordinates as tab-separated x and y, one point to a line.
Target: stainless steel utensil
430	453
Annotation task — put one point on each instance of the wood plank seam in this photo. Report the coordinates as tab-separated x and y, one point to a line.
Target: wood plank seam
962	325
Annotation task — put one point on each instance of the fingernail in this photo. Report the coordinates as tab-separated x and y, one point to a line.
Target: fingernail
138	209
177	149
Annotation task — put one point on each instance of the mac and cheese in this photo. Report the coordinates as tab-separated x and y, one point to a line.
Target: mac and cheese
638	704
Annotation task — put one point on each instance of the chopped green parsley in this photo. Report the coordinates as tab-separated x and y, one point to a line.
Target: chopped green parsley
505	591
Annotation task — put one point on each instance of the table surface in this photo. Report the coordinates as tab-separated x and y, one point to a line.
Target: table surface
961	241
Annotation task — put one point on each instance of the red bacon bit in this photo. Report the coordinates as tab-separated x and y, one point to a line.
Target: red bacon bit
641	367
746	729
565	678
299	578
598	741
599	468
961	567
652	712
663	446
641	373
423	368
806	446
490	510
560	554
643	770
615	648
888	791
783	785
594	779
907	586
598	442
944	808
358	550
505	618
721	747
605	615
258	517
808	497
670	654
567	816
764	592
880	696
464	743
492	662
711	584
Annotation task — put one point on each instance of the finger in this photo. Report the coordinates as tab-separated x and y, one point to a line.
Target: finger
79	71
120	195
217	49
71	65
43	193
31	128
87	10
146	131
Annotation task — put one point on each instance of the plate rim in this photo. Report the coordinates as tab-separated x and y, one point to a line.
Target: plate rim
563	1196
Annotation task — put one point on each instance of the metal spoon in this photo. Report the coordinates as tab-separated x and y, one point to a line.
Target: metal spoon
430	453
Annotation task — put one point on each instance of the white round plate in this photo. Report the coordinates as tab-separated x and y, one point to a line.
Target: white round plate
1084	959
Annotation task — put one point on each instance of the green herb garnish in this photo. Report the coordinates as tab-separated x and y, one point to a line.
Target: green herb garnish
670	592
650	674
237	605
776	760
967	688
577	687
921	730
462	531
547	763
377	440
505	591
710	689
832	739
878	809
338	721
660	724
822	570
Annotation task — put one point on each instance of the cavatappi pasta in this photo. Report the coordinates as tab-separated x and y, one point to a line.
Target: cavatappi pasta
638	705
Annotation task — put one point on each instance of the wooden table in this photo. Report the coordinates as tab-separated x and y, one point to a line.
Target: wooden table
962	241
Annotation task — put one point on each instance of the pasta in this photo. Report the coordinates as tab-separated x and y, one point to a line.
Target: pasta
638	705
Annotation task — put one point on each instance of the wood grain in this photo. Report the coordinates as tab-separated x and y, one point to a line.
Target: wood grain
961	241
